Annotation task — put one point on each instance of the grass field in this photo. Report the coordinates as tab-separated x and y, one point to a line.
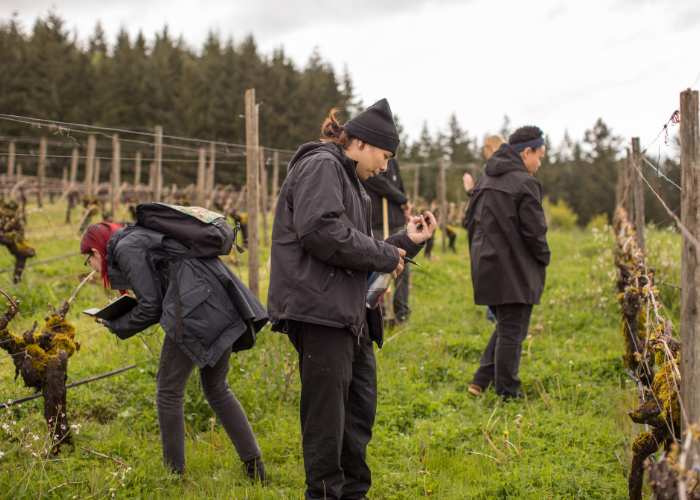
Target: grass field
570	439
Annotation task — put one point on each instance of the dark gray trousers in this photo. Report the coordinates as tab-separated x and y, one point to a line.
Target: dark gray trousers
500	361
402	311
338	405
173	372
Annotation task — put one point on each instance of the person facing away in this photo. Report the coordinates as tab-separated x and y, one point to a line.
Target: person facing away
491	145
509	254
322	254
135	258
389	185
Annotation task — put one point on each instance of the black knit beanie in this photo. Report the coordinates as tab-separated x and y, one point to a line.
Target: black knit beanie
376	126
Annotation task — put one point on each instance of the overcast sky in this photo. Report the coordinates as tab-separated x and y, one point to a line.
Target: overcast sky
556	64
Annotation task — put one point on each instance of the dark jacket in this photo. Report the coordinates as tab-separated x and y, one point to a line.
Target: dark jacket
216	305
319	266
507	233
390	186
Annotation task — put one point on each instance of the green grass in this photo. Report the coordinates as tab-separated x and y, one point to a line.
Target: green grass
427	427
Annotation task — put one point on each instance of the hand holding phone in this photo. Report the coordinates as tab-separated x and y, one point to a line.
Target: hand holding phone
421	228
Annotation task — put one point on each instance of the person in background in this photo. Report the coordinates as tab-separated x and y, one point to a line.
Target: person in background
390	186
322	254
131	258
509	254
491	145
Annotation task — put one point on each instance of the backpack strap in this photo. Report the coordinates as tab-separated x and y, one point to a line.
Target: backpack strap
176	294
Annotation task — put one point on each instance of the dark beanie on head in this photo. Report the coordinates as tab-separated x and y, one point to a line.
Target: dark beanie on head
376	126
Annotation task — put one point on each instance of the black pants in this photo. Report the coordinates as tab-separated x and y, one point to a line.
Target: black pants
338	405
173	372
500	361
402	311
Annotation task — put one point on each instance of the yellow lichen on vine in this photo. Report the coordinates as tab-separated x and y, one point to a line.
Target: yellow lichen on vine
63	340
639	444
666	388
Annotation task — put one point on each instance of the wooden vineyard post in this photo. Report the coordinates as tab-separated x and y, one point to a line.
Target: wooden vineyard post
96	175
152	178
620	187
443	206
275	178
41	171
89	165
385	218
11	162
64	176
263	194
158	181
252	176
201	177
116	175
211	170
690	255
638	195
387	302
628	204
73	167
416	179
137	169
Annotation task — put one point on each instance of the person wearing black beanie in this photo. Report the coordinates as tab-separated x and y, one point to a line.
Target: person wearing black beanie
376	126
509	254
322	254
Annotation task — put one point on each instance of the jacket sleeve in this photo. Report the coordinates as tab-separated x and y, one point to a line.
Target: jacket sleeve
533	225
401	240
134	263
317	201
381	186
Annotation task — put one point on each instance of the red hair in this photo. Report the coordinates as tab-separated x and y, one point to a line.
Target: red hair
96	236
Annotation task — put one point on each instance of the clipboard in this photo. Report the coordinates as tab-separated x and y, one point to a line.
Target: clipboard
116	309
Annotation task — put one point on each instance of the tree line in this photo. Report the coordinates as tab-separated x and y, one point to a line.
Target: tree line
46	72
581	172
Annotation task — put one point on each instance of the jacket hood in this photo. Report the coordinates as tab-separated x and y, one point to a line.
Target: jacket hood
312	148
505	159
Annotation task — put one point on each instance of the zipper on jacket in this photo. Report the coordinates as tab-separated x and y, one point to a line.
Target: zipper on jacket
360	335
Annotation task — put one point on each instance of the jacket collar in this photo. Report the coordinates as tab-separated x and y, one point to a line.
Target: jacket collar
505	159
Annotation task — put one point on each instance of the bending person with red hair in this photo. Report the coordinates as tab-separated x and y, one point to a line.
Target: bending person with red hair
217	313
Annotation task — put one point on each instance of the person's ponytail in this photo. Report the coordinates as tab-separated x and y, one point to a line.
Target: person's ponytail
333	132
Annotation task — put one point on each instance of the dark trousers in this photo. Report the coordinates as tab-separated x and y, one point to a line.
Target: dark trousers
173	371
338	405
500	361
402	311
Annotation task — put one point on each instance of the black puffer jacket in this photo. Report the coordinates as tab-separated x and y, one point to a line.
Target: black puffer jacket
216	305
387	185
507	233
320	267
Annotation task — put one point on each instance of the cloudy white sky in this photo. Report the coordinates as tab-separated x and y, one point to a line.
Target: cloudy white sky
557	64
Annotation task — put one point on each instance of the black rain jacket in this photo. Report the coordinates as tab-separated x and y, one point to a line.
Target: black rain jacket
319	266
507	233
390	186
216	305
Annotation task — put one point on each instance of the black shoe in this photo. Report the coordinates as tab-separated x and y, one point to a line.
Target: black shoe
255	470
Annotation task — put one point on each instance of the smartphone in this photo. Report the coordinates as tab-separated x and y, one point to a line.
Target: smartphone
427	221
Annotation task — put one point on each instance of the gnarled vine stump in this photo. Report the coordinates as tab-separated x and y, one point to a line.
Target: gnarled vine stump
42	361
